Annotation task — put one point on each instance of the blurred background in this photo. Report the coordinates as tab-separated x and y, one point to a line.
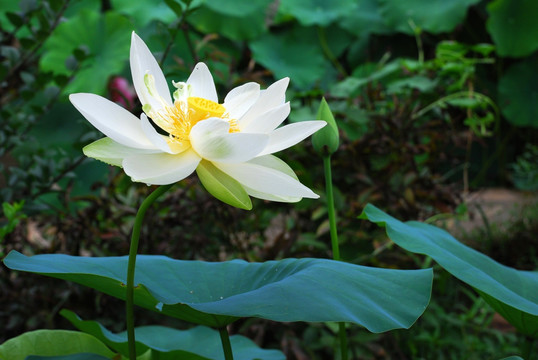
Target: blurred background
437	105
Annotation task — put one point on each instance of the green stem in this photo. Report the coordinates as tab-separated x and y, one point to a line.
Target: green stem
129	297
343	340
328	52
527	347
330	206
334	242
226	345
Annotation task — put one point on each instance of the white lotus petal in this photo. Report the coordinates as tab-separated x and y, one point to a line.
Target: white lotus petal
158	140
111	152
112	120
202	83
143	62
289	135
274	95
271	197
161	168
275	163
268	121
266	180
240	99
279	165
212	141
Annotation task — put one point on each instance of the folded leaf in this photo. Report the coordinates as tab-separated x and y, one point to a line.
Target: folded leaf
514	293
199	343
216	294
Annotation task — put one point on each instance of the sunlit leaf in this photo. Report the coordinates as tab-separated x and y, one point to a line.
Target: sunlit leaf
197	343
145	11
215	294
107	39
317	12
52	343
208	21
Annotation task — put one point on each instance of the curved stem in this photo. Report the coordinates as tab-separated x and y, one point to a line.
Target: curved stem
226	345
328	52
334	242
129	297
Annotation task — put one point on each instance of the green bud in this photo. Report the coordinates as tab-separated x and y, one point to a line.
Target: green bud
326	140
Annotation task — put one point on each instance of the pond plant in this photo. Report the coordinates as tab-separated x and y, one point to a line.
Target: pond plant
230	142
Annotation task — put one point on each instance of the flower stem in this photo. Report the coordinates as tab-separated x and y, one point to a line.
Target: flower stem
330	206
129	297
334	242
226	345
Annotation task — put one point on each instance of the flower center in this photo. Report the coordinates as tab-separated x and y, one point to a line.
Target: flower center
205	108
178	120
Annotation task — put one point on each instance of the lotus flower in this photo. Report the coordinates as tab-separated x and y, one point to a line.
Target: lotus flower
229	144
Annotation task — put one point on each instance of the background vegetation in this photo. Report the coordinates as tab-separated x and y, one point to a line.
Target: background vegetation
434	99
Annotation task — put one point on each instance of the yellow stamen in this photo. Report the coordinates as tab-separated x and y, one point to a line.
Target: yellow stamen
178	120
205	108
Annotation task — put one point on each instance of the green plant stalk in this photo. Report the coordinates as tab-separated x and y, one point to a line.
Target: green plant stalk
334	242
527	347
328	53
226	345
129	297
330	206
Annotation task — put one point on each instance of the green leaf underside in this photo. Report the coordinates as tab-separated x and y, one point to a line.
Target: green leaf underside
79	356
198	343
222	186
516	288
525	323
216	294
52	343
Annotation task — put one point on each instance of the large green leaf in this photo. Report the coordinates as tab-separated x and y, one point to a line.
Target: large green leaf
52	343
317	12
246	27
365	19
518	94
105	37
524	322
513	27
302	54
434	16
215	294
238	8
514	288
145	11
79	356
199	343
